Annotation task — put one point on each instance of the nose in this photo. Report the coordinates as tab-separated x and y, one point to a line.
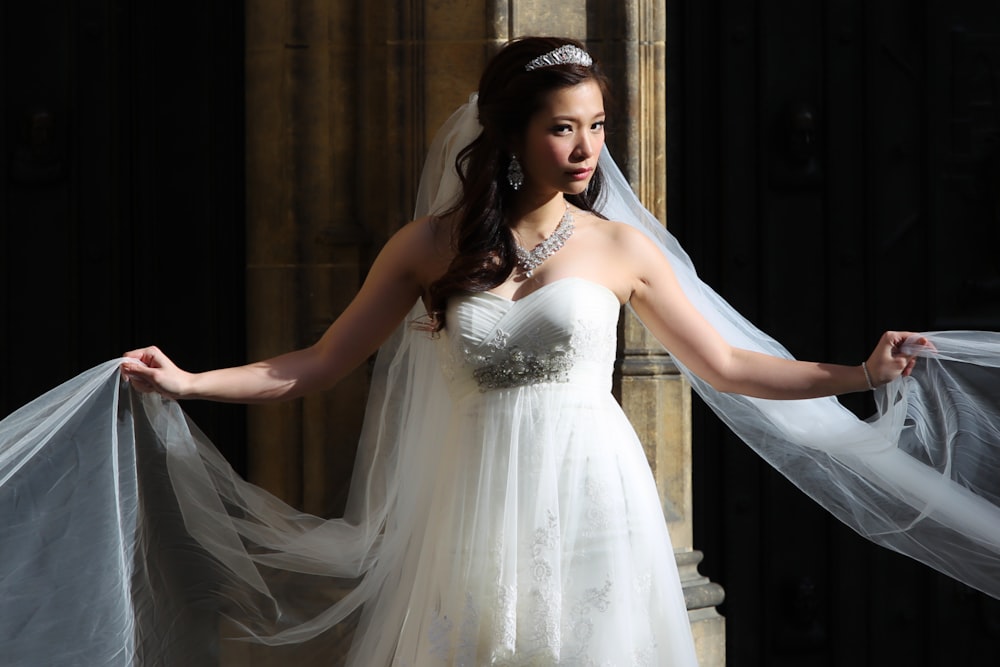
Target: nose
584	147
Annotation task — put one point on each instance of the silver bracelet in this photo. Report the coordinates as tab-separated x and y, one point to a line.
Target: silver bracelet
868	378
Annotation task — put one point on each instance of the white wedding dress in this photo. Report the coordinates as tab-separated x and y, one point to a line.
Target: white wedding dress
546	543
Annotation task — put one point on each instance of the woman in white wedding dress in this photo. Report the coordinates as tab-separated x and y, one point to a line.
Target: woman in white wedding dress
501	511
544	542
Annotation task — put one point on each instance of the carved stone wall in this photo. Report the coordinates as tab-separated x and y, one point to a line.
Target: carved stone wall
305	240
342	100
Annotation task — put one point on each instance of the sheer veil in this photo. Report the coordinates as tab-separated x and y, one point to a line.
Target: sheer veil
127	539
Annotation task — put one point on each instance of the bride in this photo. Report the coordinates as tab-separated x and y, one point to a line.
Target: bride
501	510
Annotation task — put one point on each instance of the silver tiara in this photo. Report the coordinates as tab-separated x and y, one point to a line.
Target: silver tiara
564	55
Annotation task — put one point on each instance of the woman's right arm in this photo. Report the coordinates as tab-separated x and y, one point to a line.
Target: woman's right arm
394	283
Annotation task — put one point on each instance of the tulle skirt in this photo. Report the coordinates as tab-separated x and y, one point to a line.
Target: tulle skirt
546	542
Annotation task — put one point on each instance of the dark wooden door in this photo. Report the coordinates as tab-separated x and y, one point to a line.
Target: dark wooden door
834	170
121	191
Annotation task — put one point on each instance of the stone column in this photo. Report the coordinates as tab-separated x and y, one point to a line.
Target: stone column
652	391
305	241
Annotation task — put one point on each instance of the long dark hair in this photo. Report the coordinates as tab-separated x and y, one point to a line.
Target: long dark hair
509	96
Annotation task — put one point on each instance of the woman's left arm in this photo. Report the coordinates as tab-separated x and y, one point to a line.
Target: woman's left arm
663	307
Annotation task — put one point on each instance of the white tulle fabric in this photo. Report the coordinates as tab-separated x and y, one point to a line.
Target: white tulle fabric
500	511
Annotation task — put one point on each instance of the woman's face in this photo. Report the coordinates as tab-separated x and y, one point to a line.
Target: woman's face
563	141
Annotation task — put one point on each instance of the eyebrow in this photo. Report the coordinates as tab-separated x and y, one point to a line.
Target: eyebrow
565	117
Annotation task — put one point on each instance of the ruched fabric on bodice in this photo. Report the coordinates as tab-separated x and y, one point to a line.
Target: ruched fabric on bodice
563	332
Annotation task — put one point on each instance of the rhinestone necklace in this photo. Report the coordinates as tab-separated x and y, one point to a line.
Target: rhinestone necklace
531	260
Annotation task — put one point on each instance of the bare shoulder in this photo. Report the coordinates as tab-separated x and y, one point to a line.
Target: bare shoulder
619	238
427	233
423	246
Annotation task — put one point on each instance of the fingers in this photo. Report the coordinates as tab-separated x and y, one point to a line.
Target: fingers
897	353
141	385
917	344
144	373
150	356
139	375
897	339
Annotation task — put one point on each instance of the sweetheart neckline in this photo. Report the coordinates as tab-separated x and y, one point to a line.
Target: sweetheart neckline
544	287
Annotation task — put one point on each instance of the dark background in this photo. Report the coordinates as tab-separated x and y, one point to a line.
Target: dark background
832	170
121	192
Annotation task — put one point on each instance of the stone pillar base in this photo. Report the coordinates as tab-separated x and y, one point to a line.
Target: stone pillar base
701	597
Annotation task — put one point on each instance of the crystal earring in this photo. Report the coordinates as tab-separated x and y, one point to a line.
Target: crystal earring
514	174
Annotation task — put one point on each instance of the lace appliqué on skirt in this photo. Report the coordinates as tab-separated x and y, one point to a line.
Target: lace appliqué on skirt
545	636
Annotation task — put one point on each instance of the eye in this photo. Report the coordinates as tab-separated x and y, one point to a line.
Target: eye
562	128
598	126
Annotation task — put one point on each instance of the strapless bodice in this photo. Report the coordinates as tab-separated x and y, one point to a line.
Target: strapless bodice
563	332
